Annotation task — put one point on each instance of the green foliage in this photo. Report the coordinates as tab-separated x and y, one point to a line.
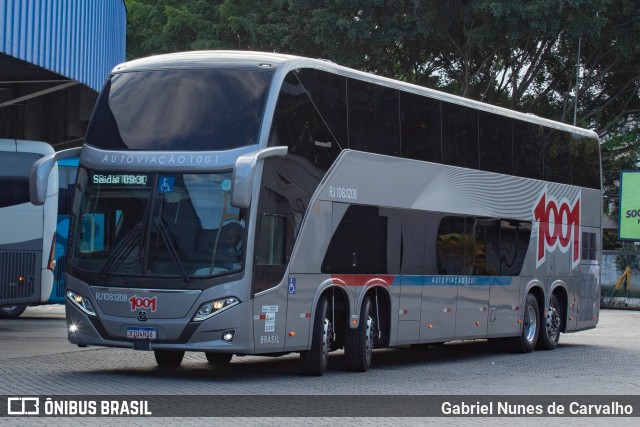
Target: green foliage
520	54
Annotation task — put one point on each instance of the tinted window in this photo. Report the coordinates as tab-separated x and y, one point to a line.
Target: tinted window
455	247
298	125
496	154
557	160
589	246
481	246
585	161
328	93
487	247
373	118
359	244
459	136
14	177
514	242
528	150
421	128
180	110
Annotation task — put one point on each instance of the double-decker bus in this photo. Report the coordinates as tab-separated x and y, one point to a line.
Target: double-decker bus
32	241
258	204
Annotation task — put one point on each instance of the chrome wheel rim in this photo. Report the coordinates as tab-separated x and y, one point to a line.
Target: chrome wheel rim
530	324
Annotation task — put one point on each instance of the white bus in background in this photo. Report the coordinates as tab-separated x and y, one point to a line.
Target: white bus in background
27	231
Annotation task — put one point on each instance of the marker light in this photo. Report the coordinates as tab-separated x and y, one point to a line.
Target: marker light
82	303
73	328
211	308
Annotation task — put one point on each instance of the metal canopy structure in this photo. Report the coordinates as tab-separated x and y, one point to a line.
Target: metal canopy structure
54	57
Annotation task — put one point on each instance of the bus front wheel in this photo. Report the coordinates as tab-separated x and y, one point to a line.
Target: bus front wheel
359	346
218	359
12	311
168	358
314	361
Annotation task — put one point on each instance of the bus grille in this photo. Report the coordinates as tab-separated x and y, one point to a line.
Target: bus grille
17	274
61	276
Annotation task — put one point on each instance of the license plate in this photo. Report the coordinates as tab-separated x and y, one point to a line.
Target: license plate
142	333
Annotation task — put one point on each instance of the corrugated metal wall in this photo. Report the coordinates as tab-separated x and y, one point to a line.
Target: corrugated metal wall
79	39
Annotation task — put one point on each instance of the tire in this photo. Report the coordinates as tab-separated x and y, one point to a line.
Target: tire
12	311
169	358
360	341
314	360
550	325
218	359
527	340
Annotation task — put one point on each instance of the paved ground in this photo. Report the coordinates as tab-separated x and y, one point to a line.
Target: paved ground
36	359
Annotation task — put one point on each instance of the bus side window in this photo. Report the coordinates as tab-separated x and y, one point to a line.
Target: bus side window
455	248
374	118
487	248
514	242
272	240
359	243
459	136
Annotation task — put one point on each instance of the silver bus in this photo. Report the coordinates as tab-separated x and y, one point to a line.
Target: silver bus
243	203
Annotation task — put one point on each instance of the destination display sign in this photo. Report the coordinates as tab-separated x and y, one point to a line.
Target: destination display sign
120	179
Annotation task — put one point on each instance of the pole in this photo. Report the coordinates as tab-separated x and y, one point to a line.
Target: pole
575	99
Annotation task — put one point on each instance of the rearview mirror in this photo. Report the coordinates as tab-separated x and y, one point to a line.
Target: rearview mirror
244	172
39	175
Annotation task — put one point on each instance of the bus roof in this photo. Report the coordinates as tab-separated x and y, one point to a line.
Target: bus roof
25	146
285	63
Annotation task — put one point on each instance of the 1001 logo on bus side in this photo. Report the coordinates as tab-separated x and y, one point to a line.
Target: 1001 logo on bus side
558	226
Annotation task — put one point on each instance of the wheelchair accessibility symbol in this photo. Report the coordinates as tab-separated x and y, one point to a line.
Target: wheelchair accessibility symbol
165	184
292	285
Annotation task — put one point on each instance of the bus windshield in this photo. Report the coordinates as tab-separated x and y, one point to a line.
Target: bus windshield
178	109
156	224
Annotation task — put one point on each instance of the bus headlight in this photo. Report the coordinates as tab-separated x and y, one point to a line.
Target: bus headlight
211	308
82	303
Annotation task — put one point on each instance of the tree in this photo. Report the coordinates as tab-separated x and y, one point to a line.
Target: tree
520	54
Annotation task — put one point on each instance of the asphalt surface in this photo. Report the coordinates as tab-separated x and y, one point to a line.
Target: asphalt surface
36	359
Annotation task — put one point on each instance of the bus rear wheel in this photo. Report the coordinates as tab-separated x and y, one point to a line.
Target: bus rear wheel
168	358
12	311
358	350
551	325
218	359
314	361
526	342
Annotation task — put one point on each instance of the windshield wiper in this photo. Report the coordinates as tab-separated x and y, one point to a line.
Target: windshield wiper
124	248
162	228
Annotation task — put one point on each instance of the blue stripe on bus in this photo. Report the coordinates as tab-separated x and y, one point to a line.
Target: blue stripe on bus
452	280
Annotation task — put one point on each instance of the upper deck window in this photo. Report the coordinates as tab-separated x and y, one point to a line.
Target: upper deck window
187	110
